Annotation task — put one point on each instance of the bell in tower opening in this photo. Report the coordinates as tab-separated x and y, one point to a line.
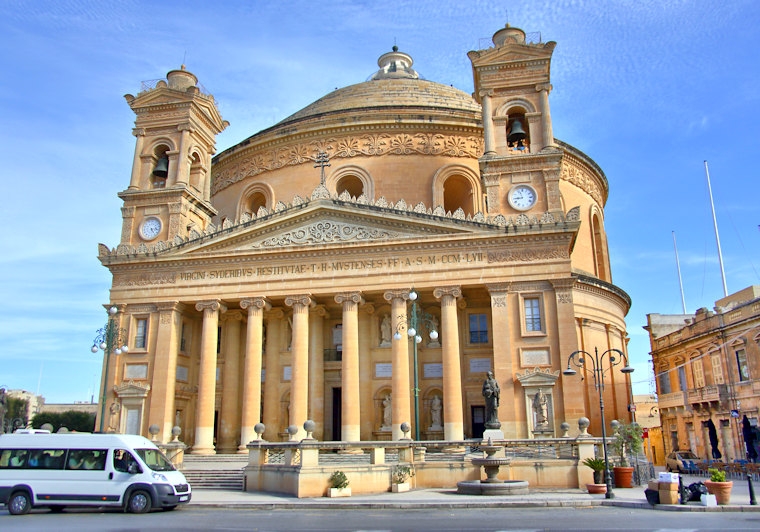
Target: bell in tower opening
517	138
160	172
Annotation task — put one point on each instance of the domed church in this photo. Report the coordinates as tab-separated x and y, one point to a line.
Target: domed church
363	264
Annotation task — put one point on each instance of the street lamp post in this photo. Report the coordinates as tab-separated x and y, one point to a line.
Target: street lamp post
615	357
107	339
416	318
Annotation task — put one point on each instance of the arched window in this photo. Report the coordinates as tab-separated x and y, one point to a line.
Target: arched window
351	184
254	197
457	193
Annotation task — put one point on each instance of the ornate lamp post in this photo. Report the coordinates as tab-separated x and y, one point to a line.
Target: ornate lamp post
108	339
417	316
582	359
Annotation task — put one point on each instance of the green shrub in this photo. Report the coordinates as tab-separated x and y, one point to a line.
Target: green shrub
338	480
716	475
402	474
596	464
71	419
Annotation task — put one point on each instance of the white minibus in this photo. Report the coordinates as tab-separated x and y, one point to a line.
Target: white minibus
58	470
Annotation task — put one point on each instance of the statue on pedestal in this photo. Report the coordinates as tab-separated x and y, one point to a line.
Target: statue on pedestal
491	393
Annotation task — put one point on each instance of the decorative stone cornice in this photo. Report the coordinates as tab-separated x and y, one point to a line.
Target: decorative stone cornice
537	377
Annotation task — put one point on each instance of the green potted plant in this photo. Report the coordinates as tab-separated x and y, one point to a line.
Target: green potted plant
338	485
400	478
629	439
597	466
718	486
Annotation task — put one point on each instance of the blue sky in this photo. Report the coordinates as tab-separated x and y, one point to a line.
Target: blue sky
648	89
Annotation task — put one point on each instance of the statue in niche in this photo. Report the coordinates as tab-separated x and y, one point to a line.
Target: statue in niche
385	331
541	408
387	413
491	394
435	413
113	422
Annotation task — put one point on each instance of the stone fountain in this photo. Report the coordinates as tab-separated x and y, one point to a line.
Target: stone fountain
492	485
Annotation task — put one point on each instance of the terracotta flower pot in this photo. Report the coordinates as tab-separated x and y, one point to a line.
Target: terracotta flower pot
721	490
623	476
596	488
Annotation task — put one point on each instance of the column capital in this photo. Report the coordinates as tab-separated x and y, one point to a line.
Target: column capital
497	288
138	131
367	308
254	303
275	313
443	291
390	295
233	315
213	304
319	310
486	93
544	87
167	306
349	297
300	299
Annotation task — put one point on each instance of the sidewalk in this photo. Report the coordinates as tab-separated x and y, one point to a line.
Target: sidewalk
449	498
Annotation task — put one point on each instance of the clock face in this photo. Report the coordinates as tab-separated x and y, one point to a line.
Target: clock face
522	197
150	228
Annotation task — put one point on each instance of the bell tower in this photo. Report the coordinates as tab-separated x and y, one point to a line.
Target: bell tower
521	164
169	192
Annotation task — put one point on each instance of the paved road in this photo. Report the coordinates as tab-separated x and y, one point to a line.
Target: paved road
444	520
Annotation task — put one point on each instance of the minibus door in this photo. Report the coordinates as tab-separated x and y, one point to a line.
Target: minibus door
123	469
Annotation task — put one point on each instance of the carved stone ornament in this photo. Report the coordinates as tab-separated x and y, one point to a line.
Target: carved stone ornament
326	231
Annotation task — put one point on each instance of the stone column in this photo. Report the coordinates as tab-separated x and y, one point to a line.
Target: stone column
366	368
164	380
134	181
180	171
229	417
204	415
251	411
317	370
351	407
546	117
488	133
503	365
273	375
400	384
299	383
453	426
573	393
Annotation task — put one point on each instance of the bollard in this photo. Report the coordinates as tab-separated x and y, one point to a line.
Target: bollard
752	499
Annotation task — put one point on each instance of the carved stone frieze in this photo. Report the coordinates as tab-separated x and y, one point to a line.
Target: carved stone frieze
583	179
529	255
348	146
324	232
145	279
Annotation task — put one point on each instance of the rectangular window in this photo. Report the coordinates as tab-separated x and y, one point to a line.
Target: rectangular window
663	379
141	334
717	370
532	307
741	364
699	374
478	329
183	339
682	385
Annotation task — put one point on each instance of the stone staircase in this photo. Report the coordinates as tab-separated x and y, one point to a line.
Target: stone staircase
221	471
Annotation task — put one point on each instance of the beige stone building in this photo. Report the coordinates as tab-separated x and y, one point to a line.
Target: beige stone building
270	283
707	367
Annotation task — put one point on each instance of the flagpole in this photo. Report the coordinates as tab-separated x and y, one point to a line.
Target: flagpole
717	237
678	267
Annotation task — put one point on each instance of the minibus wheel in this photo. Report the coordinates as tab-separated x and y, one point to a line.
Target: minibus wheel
139	502
19	503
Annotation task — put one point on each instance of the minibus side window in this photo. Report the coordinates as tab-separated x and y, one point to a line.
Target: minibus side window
86	459
13	458
123	460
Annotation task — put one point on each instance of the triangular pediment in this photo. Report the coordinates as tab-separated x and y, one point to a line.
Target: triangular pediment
327	224
511	54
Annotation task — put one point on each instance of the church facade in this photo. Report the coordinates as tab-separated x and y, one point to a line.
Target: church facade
363	263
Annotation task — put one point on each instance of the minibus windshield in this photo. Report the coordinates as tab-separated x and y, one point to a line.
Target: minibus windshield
155	459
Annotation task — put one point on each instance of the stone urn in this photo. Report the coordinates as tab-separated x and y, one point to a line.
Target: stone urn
721	490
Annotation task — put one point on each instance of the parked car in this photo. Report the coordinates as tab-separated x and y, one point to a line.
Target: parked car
675	461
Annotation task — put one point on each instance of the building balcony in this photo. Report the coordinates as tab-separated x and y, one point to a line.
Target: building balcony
672	400
708	394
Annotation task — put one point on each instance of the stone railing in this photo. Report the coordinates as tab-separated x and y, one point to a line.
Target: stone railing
302	468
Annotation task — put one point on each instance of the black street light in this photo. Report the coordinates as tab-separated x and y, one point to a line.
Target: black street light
107	339
615	357
417	316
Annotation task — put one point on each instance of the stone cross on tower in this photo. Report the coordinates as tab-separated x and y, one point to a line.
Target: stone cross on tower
321	161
